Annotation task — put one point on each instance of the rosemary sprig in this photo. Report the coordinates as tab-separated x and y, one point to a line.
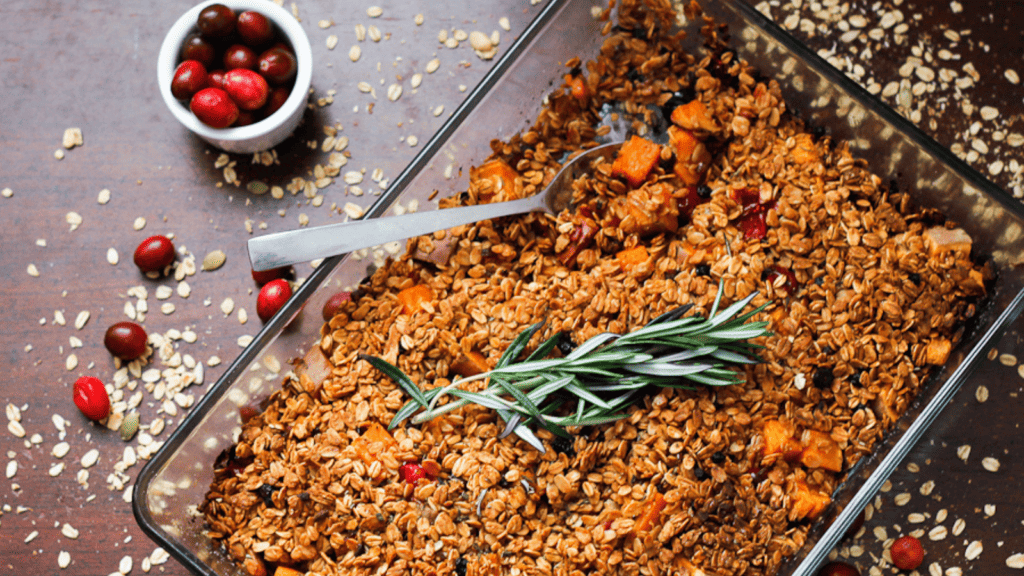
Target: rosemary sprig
604	375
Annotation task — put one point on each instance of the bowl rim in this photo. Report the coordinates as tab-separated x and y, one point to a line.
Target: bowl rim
169	55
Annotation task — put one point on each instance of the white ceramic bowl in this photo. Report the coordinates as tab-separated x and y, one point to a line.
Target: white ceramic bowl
258	136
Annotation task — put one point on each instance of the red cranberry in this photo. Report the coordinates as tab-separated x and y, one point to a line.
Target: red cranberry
154	254
214	108
245	118
189	78
278	96
240	56
215	79
907	553
265	276
272	297
278	65
334	303
411	472
198	48
838	569
254	28
90	396
126	340
248	89
216	21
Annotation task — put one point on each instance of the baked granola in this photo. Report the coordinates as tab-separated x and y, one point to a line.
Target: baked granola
865	295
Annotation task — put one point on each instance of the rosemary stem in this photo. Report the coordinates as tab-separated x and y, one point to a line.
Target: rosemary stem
433	411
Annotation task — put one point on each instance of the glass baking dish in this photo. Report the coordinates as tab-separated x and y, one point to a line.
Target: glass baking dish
171	486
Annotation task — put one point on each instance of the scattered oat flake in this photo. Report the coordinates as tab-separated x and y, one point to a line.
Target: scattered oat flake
63	559
963	452
1011	76
74	219
69	531
991	464
433	65
332	41
58	154
354	211
227	306
6	192
12	468
244	340
81	319
937	533
31	536
32	270
72	137
412	140
981	393
504	23
394	92
112	257
71	363
139	223
104	196
1015	561
439	110
354	52
90	458
15	428
125	565
974	550
1007	359
374	11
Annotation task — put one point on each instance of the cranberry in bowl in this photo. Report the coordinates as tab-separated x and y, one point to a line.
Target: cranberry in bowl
204	35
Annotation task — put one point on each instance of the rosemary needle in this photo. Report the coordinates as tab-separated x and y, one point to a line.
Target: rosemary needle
604	375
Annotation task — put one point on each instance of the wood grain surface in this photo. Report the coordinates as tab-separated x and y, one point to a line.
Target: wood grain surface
92	65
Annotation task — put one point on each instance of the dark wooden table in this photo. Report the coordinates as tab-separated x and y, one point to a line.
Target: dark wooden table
91	65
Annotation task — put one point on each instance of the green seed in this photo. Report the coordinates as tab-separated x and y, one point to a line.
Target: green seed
214	260
257	187
129	426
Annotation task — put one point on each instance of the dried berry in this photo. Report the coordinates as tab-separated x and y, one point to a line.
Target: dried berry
702	270
90	396
334	303
823	377
272	297
411	472
126	340
154	254
907	553
266	492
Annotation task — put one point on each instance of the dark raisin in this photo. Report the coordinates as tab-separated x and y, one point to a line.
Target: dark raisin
855	378
576	71
718	457
266	492
564	445
304	496
820	280
819	132
915	278
565	343
827	350
704	191
460	567
635	76
702	270
765	274
699	473
823	377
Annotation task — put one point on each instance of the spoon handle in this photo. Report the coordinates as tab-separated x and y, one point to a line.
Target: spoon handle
305	244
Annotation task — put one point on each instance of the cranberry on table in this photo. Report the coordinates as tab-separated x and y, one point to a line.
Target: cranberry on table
838	569
278	96
214	108
90	396
254	28
246	88
907	553
198	48
278	65
189	78
216	21
272	297
334	303
126	340
264	276
240	56
154	254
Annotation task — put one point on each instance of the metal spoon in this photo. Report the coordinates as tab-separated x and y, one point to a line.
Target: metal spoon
305	244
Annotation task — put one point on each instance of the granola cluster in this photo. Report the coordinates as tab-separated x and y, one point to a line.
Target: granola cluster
865	295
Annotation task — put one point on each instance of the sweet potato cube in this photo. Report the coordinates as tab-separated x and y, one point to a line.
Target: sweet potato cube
286	571
649	515
501	178
374	440
636	159
414	297
694	115
470	364
940	240
630	257
779	437
806	501
645	211
937	351
692	156
804	152
820	451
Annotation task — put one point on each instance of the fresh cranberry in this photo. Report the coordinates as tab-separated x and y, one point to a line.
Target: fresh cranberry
254	28
278	96
240	56
907	553
265	276
689	202
334	303
189	78
272	297
91	398
215	79
838	569
277	65
198	48
790	284
248	412
126	340
248	89
411	472
214	108
154	254
216	21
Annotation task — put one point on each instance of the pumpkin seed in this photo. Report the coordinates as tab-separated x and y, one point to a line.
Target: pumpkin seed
214	260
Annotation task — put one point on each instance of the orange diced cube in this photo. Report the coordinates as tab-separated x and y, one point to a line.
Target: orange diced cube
820	451
414	297
694	115
937	351
470	364
806	502
502	178
636	159
649	516
805	152
374	440
286	571
630	257
778	436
